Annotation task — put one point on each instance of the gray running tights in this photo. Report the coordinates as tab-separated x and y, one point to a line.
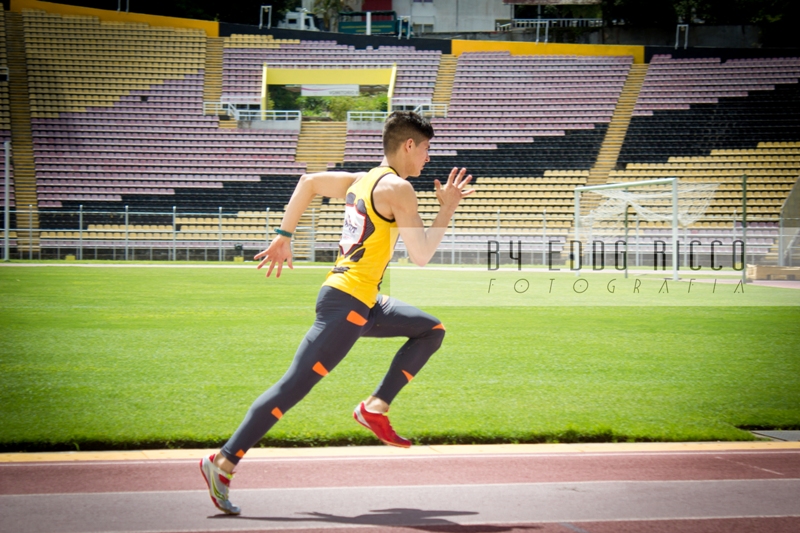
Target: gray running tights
341	320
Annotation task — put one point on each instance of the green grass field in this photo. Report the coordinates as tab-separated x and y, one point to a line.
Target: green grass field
104	357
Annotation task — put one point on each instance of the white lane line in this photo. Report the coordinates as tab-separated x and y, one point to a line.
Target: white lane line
420	506
570	484
572	527
750	466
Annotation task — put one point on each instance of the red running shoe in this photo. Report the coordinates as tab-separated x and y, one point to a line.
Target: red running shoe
379	424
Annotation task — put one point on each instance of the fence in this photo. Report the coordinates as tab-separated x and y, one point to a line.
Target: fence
132	235
790	229
538	24
502	237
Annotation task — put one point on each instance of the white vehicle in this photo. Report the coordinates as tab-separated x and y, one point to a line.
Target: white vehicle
298	20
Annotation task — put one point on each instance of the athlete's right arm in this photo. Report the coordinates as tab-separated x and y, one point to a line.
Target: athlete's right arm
330	184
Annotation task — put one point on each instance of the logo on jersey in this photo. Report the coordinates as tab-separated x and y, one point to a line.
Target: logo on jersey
357	226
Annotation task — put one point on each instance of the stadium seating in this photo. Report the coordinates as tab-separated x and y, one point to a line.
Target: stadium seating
771	172
117	119
708	121
5	110
529	127
245	56
691	107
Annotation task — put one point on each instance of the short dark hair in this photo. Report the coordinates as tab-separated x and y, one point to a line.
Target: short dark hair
403	125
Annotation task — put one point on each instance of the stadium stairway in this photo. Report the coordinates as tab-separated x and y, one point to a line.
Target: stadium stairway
443	89
321	144
21	138
212	88
212	82
617	129
304	237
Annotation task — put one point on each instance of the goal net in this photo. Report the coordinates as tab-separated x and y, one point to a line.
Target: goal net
662	206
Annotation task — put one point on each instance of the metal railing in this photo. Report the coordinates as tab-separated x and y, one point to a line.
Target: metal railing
366	116
242	100
426	109
124	234
432	110
220	236
789	226
271	115
553	23
410	101
268	9
538	24
219	108
247	115
685	28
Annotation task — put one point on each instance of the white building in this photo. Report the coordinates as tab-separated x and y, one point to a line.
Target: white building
437	16
453	16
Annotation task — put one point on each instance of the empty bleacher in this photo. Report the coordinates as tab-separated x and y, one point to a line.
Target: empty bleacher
689	107
5	109
771	172
117	119
528	127
245	55
709	121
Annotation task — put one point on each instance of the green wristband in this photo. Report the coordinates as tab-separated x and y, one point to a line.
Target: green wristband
284	233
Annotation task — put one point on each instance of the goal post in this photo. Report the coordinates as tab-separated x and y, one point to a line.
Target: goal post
666	201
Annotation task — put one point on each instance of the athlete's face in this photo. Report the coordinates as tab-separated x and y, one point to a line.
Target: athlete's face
419	156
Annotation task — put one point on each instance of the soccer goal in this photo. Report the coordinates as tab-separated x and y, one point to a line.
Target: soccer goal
665	204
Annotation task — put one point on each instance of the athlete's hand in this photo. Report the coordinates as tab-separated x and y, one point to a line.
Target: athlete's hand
280	250
450	194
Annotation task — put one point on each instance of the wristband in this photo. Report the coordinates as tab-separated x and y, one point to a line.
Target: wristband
284	233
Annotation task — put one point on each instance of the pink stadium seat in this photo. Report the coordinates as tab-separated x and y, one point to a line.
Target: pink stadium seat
678	83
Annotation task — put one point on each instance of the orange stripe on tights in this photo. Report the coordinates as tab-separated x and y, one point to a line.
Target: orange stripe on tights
319	369
356	319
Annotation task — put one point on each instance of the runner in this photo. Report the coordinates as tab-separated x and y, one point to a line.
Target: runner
379	204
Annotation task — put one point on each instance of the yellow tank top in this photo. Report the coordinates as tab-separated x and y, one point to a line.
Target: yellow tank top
367	242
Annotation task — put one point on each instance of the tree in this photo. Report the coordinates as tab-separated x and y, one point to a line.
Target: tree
649	13
328	11
640	13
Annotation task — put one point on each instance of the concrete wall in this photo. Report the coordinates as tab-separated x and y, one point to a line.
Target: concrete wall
705	36
454	15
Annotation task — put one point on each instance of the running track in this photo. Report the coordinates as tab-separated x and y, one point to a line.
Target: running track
648	488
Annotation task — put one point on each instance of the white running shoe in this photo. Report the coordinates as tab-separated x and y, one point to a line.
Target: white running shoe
218	482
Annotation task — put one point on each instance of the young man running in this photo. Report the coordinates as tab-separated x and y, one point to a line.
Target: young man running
379	204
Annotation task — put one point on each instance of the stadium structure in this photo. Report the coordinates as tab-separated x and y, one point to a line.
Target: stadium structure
145	137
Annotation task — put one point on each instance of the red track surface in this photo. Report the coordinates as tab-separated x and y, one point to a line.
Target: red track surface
302	480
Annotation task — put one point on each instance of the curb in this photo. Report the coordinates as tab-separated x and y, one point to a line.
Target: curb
386	451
